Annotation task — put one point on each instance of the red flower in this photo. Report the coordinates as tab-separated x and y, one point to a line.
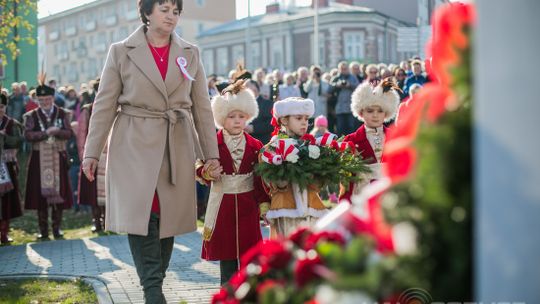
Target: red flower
305	270
223	297
403	133
239	278
373	226
334	145
324	236
355	225
392	299
400	164
299	236
269	284
269	254
308	137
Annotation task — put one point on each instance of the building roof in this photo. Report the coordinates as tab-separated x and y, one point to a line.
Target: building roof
288	15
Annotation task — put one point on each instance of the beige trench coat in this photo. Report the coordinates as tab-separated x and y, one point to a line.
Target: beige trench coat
140	159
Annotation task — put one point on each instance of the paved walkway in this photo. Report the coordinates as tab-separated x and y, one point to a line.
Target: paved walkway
108	260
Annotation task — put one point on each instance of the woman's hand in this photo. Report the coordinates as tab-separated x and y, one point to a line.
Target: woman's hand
89	168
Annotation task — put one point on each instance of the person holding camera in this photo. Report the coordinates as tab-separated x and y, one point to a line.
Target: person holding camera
342	86
317	90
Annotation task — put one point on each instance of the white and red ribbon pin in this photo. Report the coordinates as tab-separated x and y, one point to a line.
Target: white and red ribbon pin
182	64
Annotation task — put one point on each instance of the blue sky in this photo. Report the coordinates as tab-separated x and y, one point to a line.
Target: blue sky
47	7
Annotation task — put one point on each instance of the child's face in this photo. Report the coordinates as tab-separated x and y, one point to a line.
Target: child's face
373	116
296	124
235	122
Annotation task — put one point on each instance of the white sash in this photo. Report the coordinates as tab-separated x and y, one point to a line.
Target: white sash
228	184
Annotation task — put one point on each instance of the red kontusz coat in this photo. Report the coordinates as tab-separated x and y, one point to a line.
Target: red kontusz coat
237	226
361	142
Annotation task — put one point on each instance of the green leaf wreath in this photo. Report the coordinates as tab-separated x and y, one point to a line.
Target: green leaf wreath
332	166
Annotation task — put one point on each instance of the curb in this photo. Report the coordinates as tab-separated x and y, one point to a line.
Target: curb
100	288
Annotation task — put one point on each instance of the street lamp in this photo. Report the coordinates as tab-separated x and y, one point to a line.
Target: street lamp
247	52
316	34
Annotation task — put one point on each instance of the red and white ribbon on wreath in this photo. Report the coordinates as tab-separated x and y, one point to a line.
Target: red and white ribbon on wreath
286	147
346	144
181	62
272	158
326	139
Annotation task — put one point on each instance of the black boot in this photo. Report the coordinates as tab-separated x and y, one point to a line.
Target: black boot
4	230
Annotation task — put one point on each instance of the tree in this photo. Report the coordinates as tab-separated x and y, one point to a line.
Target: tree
13	15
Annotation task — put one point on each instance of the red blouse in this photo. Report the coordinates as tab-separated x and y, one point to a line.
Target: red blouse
161	57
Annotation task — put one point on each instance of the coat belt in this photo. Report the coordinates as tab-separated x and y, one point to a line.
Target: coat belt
174	116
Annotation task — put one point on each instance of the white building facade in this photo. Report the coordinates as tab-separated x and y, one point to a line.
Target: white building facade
73	44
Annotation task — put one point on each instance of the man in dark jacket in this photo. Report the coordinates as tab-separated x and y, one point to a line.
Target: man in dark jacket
417	76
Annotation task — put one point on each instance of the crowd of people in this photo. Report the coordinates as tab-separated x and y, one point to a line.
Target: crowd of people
330	90
46	124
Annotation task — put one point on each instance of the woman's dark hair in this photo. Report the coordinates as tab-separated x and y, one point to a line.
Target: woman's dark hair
146	7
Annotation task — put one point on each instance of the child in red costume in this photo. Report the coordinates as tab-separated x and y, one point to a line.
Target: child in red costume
373	106
231	224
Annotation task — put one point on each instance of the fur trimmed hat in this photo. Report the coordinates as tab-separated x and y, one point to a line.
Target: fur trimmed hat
235	97
384	95
293	106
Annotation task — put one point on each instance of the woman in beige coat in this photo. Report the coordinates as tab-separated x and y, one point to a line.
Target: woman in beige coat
153	107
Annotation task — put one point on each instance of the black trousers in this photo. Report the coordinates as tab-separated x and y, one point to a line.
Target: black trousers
227	269
151	256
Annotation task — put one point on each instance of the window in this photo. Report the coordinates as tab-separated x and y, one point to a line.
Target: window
92	68
72	75
222	60
276	52
238	54
392	47
256	58
208	61
322	49
380	47
354	45
101	45
56	71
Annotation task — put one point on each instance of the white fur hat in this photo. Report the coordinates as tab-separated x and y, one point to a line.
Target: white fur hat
235	98
383	95
293	106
